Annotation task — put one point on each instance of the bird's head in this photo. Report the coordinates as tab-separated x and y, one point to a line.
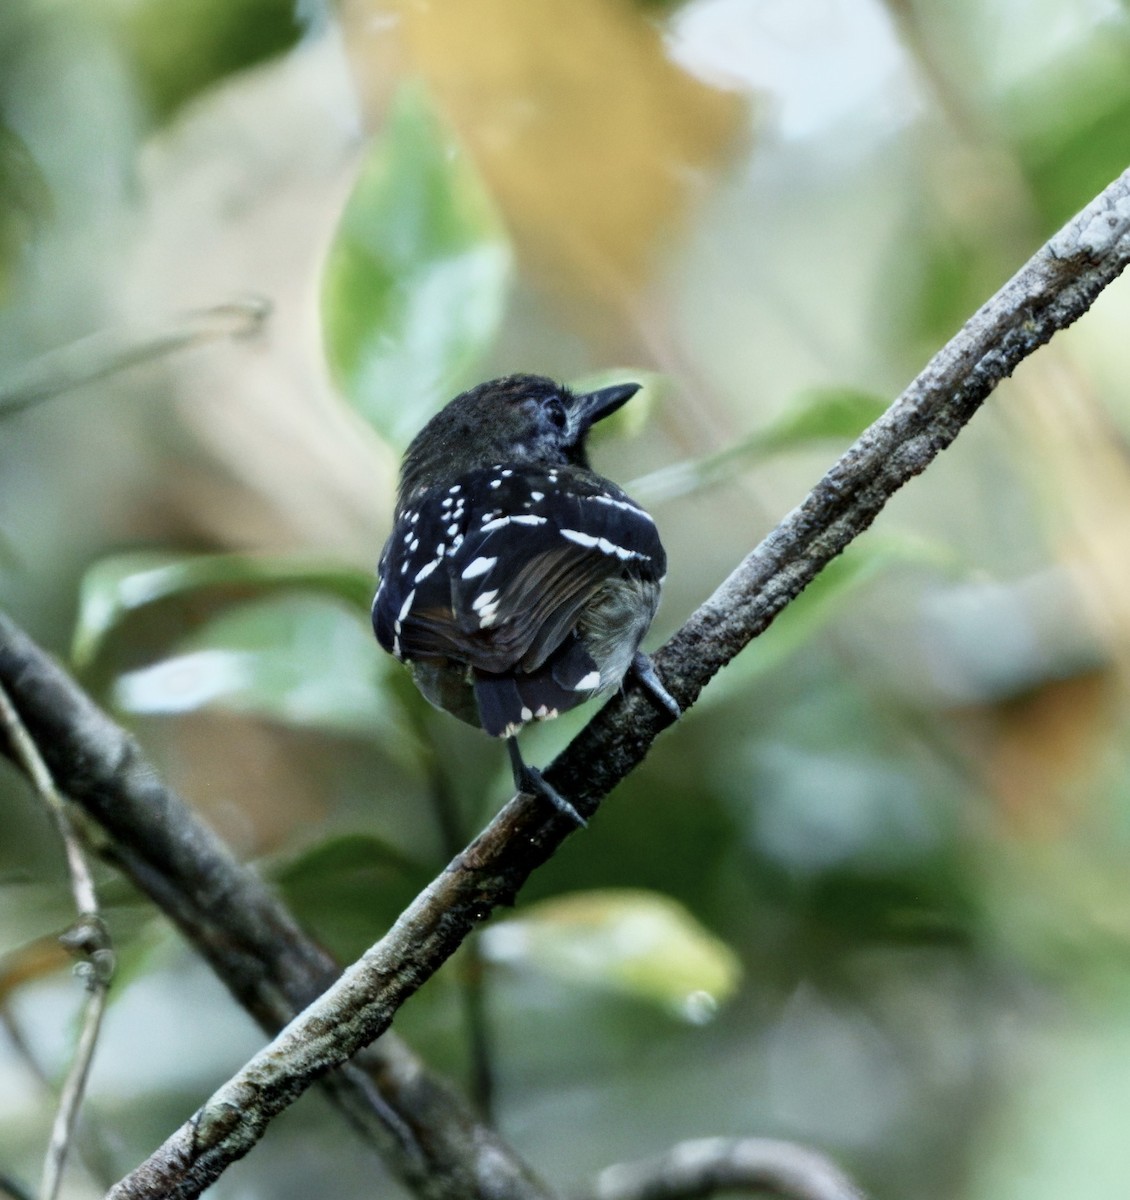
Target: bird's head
517	419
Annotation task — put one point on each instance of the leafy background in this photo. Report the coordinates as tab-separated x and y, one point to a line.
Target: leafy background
871	893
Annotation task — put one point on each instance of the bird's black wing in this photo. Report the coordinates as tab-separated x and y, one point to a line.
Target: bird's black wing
494	572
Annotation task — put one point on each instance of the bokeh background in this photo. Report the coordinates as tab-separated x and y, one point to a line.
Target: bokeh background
872	893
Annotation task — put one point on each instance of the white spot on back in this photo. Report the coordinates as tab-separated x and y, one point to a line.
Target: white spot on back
425	571
600	543
480	566
406	605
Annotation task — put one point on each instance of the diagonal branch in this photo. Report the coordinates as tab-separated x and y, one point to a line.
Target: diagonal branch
1050	292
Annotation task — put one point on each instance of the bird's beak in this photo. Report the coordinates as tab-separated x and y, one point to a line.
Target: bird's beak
591	407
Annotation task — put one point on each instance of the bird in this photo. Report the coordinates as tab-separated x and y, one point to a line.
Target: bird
517	583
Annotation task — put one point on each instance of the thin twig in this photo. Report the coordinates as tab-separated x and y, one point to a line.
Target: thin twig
1056	287
87	939
700	1168
89	1140
101	355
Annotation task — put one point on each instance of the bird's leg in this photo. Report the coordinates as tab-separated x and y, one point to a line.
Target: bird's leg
651	683
529	780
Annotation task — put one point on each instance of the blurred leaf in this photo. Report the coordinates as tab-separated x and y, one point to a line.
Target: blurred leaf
349	890
302	660
180	49
594	142
630	941
417	277
33	960
25	202
816	607
630	420
116	586
1071	123
816	415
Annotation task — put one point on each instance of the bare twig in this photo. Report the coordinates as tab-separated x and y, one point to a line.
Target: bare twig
700	1168
87	939
90	1140
1050	292
101	355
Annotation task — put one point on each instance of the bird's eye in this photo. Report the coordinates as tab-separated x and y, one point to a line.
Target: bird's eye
555	411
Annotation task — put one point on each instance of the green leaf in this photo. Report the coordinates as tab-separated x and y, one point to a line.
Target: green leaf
1068	124
117	586
25	202
302	660
417	278
816	415
820	414
629	941
178	50
818	605
349	889
635	416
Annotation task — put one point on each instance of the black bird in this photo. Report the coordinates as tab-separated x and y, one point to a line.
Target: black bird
518	583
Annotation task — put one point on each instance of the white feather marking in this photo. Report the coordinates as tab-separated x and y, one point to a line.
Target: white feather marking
600	543
590	681
483	599
425	571
582	539
407	604
529	519
479	567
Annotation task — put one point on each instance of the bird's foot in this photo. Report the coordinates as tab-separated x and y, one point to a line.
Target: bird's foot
530	781
653	685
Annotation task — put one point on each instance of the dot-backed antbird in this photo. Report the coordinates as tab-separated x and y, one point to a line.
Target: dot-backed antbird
518	583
